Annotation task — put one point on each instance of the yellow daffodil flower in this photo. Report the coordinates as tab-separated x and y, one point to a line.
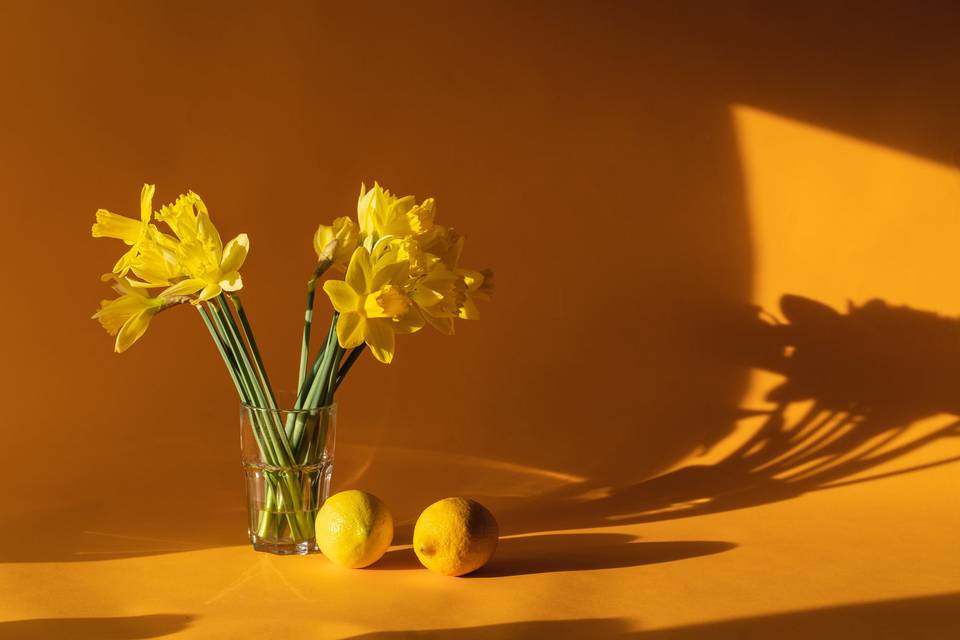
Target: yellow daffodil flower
210	266
347	235
132	232
440	294
479	287
129	315
373	304
189	219
437	249
157	264
192	262
438	288
444	243
382	214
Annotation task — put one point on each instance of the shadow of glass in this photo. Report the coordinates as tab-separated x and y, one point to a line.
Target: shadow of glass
855	388
550	553
128	628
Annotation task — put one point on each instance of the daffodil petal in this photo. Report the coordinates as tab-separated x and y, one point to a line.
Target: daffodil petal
473	279
125	262
411	322
112	225
148	284
426	297
443	325
184	288
231	281
358	272
322	237
235	253
350	330
469	310
113	313
211	290
208	233
133	329
123	285
146	202
389	274
342	295
380	338
364	219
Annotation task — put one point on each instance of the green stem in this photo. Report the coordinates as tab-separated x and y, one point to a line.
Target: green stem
247	395
321	396
227	358
254	349
285	455
223	335
326	395
321	267
228	349
304	391
320	380
274	445
266	520
347	364
307	323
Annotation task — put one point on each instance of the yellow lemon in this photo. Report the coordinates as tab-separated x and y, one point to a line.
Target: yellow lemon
354	529
455	536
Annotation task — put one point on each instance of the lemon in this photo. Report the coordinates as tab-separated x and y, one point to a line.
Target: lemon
455	536
354	529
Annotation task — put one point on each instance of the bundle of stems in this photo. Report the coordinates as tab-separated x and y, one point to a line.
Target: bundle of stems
287	446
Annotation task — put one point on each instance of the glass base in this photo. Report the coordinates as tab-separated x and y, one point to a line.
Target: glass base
284	548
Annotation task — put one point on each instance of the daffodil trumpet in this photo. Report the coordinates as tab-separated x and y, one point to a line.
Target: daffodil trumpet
400	272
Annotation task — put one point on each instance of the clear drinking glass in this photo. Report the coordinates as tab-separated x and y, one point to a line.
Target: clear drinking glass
287	460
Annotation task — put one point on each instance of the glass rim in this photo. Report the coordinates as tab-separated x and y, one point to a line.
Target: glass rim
328	408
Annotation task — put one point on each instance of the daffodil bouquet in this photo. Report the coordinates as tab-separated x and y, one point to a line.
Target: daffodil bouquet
401	271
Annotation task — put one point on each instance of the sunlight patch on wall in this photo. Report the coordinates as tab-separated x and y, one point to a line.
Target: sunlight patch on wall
836	218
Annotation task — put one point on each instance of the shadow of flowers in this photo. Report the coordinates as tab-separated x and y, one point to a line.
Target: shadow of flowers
856	386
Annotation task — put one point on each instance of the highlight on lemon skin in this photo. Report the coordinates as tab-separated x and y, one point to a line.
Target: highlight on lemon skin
354	529
455	536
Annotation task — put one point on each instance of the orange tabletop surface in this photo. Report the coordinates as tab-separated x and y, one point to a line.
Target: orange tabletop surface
716	393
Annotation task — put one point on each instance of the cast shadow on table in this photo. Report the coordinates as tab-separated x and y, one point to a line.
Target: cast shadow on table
856	386
120	628
929	618
549	553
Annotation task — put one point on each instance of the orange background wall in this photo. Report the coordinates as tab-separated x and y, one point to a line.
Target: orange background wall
612	161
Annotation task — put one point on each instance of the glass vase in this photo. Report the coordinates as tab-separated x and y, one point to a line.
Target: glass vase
287	458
